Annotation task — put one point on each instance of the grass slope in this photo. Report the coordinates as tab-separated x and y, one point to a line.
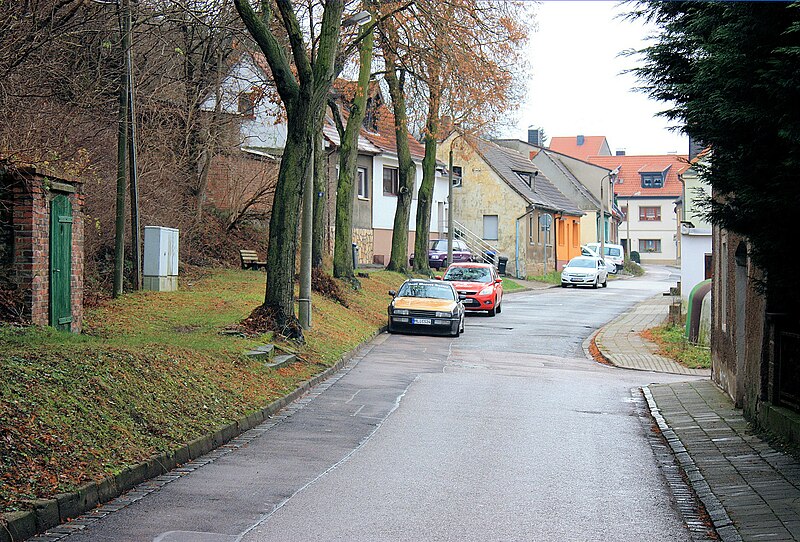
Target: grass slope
152	371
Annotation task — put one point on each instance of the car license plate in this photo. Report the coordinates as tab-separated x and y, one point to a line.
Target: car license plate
425	321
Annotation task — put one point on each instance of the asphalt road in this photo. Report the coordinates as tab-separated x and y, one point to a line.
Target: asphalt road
506	433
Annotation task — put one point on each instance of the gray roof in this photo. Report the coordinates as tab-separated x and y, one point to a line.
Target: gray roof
572	178
505	162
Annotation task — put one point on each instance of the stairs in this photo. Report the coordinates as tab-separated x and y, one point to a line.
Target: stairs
477	245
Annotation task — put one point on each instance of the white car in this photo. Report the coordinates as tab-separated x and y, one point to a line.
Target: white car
612	254
586	251
585	271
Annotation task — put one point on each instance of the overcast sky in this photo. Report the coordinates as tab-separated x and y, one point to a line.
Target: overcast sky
577	86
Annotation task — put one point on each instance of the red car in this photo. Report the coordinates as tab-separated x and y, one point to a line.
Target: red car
480	283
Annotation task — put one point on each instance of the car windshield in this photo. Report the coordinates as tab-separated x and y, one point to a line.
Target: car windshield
427	289
582	262
468	274
439	245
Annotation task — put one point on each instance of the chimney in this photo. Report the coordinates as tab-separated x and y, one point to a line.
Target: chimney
695	148
580	139
620	152
535	136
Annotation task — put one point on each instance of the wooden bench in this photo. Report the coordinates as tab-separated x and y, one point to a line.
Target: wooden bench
250	260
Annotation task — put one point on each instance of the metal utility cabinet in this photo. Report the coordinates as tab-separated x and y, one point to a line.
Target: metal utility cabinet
160	259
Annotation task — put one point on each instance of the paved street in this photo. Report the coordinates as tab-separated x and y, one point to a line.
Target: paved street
507	433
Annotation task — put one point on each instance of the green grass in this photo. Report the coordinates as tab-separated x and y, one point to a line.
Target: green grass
553	277
511	286
151	372
673	344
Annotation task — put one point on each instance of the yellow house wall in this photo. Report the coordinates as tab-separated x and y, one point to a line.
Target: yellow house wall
483	192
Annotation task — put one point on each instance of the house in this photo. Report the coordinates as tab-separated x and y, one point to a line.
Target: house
646	189
694	230
501	197
378	130
580	146
580	181
246	139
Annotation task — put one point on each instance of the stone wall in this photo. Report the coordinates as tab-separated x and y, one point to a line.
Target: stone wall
365	239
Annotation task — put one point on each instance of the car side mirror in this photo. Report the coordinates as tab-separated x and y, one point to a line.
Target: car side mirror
498	281
461	297
438	277
392	293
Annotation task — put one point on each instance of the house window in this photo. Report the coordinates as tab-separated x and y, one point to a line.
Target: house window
652	180
624	210
650	214
490	227
457	176
247	104
532	229
649	245
363	183
575	234
561	240
390	181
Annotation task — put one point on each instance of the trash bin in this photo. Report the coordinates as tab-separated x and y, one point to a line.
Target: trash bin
502	262
355	256
489	256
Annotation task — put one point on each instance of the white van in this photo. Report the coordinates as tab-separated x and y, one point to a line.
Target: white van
613	254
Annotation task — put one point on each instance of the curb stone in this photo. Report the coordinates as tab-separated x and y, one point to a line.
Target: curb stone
65	507
719	517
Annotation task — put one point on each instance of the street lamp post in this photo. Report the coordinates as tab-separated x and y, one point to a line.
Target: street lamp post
304	302
450	206
612	177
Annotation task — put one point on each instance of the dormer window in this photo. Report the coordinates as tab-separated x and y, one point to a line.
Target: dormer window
525	177
652	180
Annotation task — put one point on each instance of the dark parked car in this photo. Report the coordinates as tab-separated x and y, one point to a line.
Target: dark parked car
437	254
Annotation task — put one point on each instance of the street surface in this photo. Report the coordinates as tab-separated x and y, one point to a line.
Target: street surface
506	433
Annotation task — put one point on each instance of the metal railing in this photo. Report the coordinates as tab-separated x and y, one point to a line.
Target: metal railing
477	245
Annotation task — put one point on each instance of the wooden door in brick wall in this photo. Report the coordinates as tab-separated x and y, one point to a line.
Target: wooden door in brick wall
60	262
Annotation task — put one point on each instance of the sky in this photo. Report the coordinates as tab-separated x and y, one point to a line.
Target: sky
577	86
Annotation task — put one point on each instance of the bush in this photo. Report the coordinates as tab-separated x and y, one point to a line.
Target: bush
635	257
633	268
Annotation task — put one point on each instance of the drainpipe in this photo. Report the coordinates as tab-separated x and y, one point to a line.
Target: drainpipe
516	242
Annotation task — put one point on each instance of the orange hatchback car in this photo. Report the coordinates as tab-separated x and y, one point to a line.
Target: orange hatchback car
480	283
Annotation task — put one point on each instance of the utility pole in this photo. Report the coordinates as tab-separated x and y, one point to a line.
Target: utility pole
122	144
136	243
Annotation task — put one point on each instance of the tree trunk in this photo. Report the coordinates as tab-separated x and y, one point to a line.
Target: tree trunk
348	167
425	196
398	260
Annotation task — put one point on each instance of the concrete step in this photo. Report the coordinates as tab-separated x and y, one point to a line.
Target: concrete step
281	360
262	353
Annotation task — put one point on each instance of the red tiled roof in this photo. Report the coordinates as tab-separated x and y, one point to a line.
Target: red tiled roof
569	145
629	179
385	138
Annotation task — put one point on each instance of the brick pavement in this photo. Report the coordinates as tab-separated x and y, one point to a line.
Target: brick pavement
751	491
622	345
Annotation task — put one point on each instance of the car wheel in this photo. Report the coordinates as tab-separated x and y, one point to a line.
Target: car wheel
493	310
500	307
605	283
564	285
596	280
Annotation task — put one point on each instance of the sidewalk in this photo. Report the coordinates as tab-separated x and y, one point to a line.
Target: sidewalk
750	490
622	345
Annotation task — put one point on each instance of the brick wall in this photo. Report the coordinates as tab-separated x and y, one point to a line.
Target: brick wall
31	195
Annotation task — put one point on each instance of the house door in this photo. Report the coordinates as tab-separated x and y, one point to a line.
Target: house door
60	262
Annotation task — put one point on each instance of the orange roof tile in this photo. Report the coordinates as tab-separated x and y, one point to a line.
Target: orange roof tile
629	181
592	146
385	138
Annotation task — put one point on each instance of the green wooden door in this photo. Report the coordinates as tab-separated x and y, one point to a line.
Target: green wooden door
60	263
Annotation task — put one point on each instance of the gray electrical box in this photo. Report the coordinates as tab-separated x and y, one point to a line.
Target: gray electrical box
160	259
